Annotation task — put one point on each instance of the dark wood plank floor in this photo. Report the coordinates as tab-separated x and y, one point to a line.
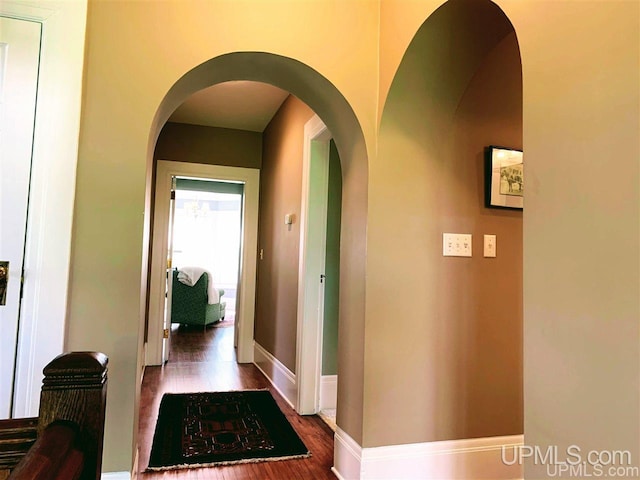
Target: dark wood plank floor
205	361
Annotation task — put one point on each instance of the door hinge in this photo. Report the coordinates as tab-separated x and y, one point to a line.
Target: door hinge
322	277
166	333
4	282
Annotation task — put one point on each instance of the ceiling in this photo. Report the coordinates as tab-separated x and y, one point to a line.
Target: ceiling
242	105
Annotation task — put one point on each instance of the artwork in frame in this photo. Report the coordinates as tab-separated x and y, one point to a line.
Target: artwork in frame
504	178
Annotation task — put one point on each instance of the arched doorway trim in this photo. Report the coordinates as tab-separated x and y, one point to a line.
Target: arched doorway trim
330	105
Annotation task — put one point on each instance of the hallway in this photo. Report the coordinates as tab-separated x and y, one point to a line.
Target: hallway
205	361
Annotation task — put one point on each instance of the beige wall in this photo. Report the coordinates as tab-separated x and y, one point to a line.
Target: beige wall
280	194
210	145
582	308
580	117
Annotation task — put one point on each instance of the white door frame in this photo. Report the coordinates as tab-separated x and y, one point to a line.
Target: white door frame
166	339
19	64
53	182
245	309
313	232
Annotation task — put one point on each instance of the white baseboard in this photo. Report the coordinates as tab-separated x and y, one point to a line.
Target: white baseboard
328	392
347	456
283	379
124	475
466	459
116	476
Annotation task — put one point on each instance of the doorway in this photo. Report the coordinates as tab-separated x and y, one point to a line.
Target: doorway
350	141
244	307
318	302
329	365
207	228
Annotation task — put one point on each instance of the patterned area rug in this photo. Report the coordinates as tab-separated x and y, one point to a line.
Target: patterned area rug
221	428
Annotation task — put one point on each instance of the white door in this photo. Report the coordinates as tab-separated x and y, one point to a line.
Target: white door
166	342
19	58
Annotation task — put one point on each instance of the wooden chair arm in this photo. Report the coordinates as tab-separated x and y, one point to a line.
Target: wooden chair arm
16	438
54	456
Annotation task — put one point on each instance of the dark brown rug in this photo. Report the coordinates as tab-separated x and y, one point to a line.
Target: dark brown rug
222	428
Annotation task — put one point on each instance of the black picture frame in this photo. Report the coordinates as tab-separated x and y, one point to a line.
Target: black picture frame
504	178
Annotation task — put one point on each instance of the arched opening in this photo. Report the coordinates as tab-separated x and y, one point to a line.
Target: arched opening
327	102
457	90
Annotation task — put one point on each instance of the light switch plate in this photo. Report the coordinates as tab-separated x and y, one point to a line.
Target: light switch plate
490	246
456	244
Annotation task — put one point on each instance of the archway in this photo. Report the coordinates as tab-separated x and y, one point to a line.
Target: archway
458	334
323	98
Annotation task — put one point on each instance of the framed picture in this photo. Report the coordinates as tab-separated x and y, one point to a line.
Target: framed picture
504	178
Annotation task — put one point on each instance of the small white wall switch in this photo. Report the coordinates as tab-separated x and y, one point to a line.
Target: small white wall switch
456	244
489	245
288	219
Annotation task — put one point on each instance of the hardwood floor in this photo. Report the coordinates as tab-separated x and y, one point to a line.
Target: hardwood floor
205	361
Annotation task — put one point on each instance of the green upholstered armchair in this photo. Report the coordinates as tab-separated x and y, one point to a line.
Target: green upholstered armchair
189	305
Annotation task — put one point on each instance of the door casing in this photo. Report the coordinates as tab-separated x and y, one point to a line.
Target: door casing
313	232
245	310
53	182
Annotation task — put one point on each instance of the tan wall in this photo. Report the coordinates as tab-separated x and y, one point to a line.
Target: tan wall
458	333
581	302
280	194
581	308
488	309
210	145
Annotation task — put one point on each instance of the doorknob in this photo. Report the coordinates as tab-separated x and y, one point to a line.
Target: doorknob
4	280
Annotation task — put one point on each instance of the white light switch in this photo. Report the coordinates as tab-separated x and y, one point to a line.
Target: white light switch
489	245
456	244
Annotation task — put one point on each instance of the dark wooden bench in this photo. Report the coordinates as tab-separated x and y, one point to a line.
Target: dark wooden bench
65	440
